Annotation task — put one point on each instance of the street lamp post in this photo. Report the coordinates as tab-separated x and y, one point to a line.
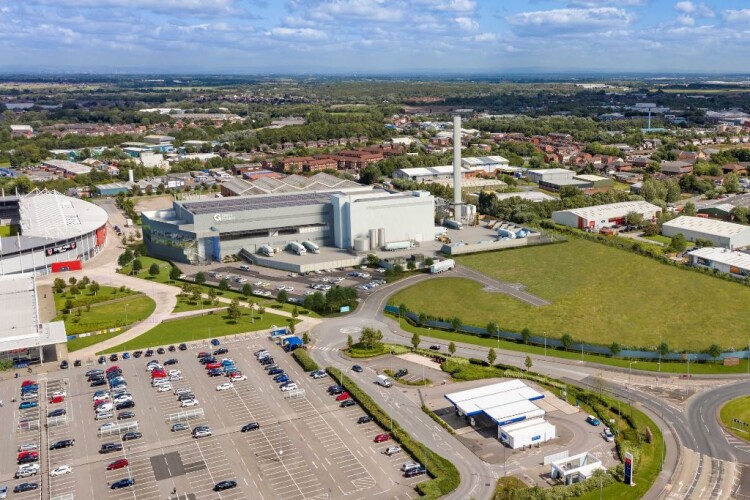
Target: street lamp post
630	370
545	344
126	313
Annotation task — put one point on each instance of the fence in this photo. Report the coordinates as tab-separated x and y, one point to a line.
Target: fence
55	421
67	496
118	429
554	343
185	415
32	425
298	393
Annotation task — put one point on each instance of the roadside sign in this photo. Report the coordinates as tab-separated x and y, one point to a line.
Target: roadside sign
344	309
629	469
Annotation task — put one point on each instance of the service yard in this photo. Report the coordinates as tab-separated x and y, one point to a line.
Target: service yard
306	445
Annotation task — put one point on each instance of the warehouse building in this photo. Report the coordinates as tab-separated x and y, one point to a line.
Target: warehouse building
349	218
554	175
720	233
722	259
487	164
527	433
600	216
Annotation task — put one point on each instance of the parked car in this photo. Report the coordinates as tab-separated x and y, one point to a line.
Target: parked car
416	471
64	365
607	435
125	415
225	485
27	405
275	371
189	402
130	436
364	419
220	351
63	443
98	382
113	357
237	377
56	413
215	372
118	464
182	347
179	427
225	386
171	348
201	431
160	350
343	396
20	488
401	373
347	403
435	347
317	374
56	399
27	447
124	406
288	386
392	450
123	483
382	438
281	378
250	427
61	470
110	447
169	362
215	342
593	420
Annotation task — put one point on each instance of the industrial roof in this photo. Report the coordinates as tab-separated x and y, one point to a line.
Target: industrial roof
708	226
484	160
543	171
613	210
490	398
289	184
514	412
68	166
19	316
524	424
425	171
723	256
49	214
259	202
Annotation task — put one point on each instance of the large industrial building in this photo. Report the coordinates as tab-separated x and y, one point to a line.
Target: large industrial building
54	232
24	339
360	219
600	216
722	259
719	233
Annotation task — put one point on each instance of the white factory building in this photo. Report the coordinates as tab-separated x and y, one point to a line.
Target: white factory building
727	261
600	216
507	404
719	233
553	175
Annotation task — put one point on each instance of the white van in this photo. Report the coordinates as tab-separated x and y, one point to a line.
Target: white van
383	381
244	268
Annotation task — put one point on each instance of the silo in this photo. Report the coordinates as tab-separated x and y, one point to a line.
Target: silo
361	245
373	238
381	237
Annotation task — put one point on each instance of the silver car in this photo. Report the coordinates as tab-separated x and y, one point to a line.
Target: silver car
27	447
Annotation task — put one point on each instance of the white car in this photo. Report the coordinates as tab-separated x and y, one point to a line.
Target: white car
225	386
174	372
189	402
289	387
164	388
202	431
320	374
27	447
58	393
175	378
238	378
122	399
288	288
103	395
258	283
61	471
107	426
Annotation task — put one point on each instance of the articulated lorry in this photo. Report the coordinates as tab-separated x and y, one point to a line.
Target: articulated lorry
311	247
266	250
297	248
398	245
443	265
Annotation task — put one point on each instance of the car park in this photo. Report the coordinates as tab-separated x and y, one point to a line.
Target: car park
201	431
118	464
250	427
61	470
225	485
123	483
110	447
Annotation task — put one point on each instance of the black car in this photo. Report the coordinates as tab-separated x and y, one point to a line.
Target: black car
113	374
170	362
20	488
64	365
401	373
250	427
221	350
149	353
185	397
435	347
266	361
225	485
137	354
97	382
182	347
129	436
335	387
357	368
172	348
347	403
28	459
77	362
207	359
64	443
160	350
215	372
56	413
125	415
113	357
94	372
125	405
110	447
102	360
364	419
123	483
417	471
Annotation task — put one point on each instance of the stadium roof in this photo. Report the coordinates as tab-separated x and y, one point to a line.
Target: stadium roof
49	214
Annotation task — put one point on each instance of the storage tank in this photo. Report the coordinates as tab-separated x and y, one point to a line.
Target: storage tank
361	245
373	238
381	237
297	248
311	247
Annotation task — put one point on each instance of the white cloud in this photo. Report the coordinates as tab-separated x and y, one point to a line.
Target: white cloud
467	23
591	19
485	38
448	5
600	3
297	33
172	6
686	20
369	10
736	16
698	9
686	7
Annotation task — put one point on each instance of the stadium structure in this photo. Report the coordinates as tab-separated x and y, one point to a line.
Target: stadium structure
46	232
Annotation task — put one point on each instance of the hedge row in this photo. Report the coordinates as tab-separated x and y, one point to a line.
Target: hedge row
438	420
303	358
421	381
445	475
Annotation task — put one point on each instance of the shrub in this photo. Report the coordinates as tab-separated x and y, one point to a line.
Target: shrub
306	362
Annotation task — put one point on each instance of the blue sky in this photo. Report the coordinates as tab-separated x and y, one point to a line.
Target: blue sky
375	36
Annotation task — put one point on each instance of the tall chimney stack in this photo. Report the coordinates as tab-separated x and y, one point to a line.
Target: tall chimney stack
457	167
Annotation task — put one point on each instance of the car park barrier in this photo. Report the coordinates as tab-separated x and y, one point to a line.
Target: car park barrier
55	421
185	415
119	429
67	496
31	425
295	394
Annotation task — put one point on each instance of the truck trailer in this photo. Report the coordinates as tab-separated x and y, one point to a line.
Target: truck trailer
297	248
453	224
266	250
398	245
443	265
311	247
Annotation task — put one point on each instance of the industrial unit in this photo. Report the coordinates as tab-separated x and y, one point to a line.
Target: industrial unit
358	219
720	233
721	259
596	217
555	175
527	433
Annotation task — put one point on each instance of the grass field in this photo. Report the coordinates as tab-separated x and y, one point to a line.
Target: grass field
740	409
200	327
599	294
106	293
164	268
109	315
659	238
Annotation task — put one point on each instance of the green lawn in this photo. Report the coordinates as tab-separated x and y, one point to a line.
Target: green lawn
109	315
599	294
188	305
80	343
740	409
164	268
199	327
105	294
661	239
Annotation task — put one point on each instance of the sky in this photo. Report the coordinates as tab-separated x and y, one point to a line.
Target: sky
375	36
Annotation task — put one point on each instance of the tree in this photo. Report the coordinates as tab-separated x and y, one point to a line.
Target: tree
567	341
615	348
68	306
456	323
415	340
634	219
224	285
663	348
196	295
411	265
349	341
422	318
714	351
200	278
84	282
651	229
59	285
429	261
261	311
74	290
212	293
72	280
673	191
233	311
295	312
679	243
174	273
452	348
247	290
282	297
526	335
370	337
305	338
491	328
740	214
94	287
491	356
154	270
732	182
528	363
373	260
689	209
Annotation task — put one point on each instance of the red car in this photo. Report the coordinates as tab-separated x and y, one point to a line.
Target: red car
342	396
56	399
27	382
25	454
382	437
210	366
118	464
100	401
112	368
158	374
203	354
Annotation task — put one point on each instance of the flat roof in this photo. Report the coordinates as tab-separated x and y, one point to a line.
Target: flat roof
19	316
258	202
490	398
723	256
514	412
438	170
68	166
612	210
542	171
709	226
524	424
592	178
484	160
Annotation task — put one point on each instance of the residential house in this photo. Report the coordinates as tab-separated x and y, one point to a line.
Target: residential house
675	168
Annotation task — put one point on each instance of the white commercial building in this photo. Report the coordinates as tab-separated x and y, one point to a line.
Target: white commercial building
599	216
486	164
553	175
720	233
526	433
67	167
576	468
722	259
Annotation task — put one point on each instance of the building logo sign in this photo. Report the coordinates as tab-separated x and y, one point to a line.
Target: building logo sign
61	248
223	217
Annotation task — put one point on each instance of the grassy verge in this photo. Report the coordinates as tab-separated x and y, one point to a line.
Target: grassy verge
438	420
659	238
105	294
109	315
306	362
200	327
737	409
188	305
508	488
80	343
445	475
667	367
162	277
392	374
